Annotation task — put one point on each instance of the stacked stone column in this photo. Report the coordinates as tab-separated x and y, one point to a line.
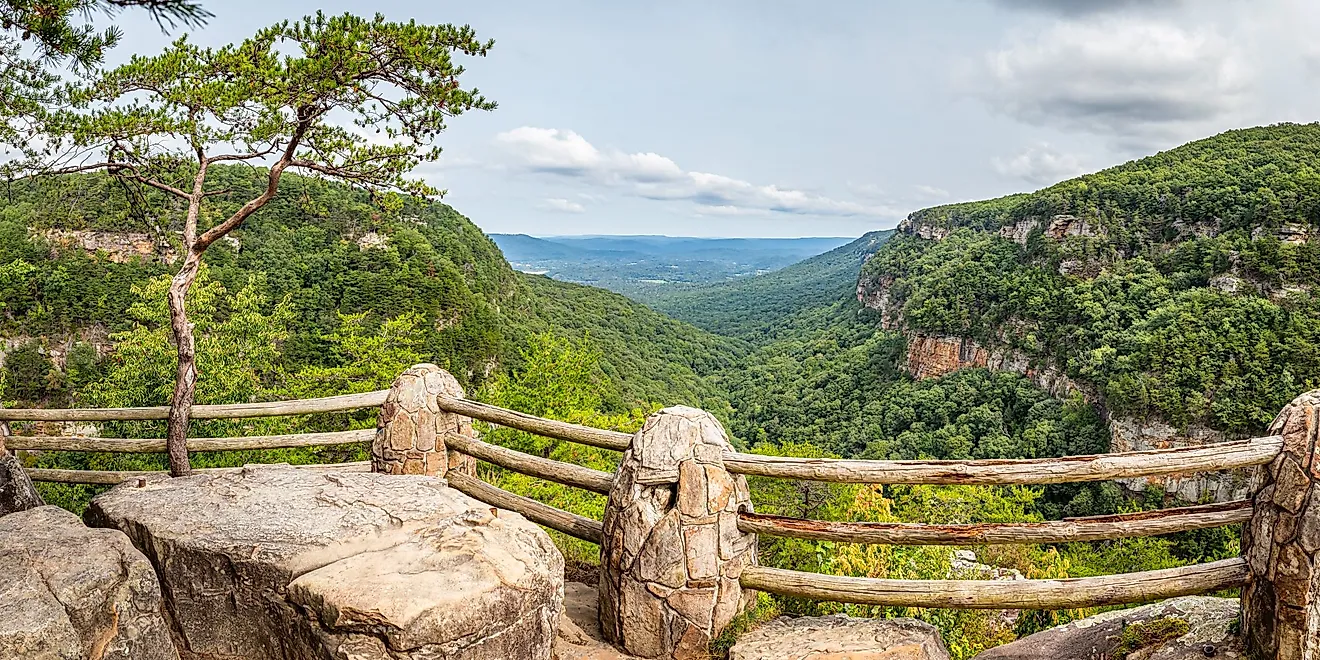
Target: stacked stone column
1281	605
671	553
410	436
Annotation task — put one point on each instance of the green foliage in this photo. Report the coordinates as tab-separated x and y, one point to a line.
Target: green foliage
560	379
51	26
1143	323
651	357
1152	339
472	312
29	374
1149	633
163	120
755	306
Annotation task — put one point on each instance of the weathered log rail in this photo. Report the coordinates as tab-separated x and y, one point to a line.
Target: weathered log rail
1068	530
341	403
157	445
1067	469
1004	595
403	447
549	428
113	477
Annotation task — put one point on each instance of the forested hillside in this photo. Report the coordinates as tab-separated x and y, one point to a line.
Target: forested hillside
755	305
77	253
1180	286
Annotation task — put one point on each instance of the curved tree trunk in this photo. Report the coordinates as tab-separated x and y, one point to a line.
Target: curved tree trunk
185	381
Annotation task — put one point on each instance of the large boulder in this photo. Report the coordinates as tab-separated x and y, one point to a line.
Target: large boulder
68	592
839	636
276	563
16	490
1178	629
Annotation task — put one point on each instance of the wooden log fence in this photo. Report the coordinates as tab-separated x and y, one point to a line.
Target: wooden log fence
718	468
541	514
111	478
1003	595
1068	469
534	466
157	445
339	403
1068	530
544	427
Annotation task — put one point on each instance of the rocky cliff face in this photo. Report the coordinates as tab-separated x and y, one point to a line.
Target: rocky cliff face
119	247
934	355
57	348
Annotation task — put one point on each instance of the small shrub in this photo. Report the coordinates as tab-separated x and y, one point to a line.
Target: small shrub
1143	635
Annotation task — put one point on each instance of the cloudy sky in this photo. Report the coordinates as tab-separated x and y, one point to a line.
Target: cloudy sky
763	118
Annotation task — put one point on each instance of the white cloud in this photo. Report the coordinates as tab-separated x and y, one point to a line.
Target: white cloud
1140	82
551	149
1039	164
653	176
562	205
930	192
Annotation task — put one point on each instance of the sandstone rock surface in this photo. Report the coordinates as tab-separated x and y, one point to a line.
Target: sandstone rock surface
671	552
1098	637
1281	605
16	491
837	637
579	636
277	563
410	435
68	592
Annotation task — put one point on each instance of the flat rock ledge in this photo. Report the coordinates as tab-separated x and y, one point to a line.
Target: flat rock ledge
68	592
276	563
837	637
1209	622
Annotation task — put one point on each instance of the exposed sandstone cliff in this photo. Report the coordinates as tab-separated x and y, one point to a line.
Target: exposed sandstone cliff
935	355
119	247
932	356
57	348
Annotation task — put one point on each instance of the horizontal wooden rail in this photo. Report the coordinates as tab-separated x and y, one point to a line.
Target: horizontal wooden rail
1003	594
541	514
151	445
535	466
1100	467
110	478
547	427
1094	528
224	411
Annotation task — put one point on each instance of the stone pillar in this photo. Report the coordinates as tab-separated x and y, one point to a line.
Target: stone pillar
1281	605
671	553
410	436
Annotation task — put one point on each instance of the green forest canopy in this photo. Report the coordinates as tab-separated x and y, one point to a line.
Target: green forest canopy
1193	300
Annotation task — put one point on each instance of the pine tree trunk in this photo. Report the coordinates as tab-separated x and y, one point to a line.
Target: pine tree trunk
185	382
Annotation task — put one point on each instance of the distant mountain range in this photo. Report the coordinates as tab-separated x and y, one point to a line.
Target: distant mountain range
643	267
752	307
